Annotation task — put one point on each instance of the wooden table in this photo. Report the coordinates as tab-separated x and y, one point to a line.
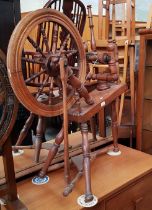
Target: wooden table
121	183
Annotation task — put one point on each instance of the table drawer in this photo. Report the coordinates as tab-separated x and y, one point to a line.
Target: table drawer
100	206
137	196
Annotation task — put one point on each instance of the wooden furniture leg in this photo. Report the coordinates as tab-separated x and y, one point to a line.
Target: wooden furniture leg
122	99
114	126
12	200
38	140
132	85
9	171
93	128
86	163
53	151
102	130
131	137
25	129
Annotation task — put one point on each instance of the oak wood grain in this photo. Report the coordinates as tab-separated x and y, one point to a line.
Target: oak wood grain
110	176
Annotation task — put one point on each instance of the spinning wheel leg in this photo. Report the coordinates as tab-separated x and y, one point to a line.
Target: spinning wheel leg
87	200
115	151
25	130
115	126
86	154
39	135
53	151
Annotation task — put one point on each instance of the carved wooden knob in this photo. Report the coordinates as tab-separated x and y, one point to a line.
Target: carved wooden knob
111	46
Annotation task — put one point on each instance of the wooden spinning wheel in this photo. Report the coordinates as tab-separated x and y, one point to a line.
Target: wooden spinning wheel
33	62
8	103
8	113
45	70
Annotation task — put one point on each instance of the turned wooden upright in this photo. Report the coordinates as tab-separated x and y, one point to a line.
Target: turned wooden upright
83	114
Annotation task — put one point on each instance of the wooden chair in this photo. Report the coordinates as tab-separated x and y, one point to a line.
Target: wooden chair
149	21
103	20
120	27
74	9
123	31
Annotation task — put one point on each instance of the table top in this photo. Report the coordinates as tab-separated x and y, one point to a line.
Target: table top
109	174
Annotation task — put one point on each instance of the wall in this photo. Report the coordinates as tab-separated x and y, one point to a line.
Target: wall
30	5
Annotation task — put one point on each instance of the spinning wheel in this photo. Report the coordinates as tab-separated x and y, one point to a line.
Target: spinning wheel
8	103
34	70
8	112
46	70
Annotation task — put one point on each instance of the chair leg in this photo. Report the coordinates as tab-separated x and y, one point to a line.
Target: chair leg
102	130
38	139
86	162
131	136
53	151
11	193
115	126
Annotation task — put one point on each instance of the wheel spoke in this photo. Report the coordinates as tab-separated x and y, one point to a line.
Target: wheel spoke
45	40
64	43
58	55
34	44
34	76
54	37
70	53
51	91
30	60
42	86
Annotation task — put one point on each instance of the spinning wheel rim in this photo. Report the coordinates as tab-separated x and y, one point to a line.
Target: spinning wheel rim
11	104
15	47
